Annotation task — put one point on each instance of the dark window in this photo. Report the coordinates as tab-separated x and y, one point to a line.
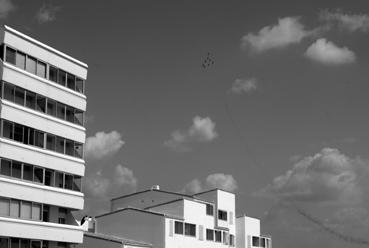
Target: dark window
69	147
31	100
31	138
4	242
209	234
178	227
50	142
62	77
41	69
79	85
10	55
68	181
21	60
31	64
218	236
190	229
222	215
41	103
7	129
5	167
77	182
231	240
18	133
48	177
209	209
71	81
45	213
60	110
78	150
59	144
16	169
255	241
9	92
14	243
35	244
53	74
51	107
70	114
28	172
78	117
38	175
25	243
19	96
59	179
39	139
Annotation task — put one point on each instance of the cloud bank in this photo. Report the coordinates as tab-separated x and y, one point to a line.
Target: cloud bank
286	32
217	180
352	23
6	6
103	144
326	52
202	130
241	86
47	13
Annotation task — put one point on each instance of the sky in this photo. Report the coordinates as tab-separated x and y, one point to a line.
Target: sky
267	99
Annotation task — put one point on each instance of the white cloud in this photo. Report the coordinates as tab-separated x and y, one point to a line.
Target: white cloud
103	144
241	86
288	31
328	176
216	180
47	13
202	130
6	6
122	180
327	53
354	22
193	187
222	181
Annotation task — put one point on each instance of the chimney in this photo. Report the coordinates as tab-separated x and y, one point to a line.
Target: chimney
155	187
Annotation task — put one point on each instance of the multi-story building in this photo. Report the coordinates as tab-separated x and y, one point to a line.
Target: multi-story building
41	143
174	220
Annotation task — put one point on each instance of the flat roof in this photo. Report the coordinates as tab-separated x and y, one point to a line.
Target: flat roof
150	190
210	190
140	210
38	43
116	239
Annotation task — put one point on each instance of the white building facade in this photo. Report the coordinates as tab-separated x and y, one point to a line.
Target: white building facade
41	143
173	220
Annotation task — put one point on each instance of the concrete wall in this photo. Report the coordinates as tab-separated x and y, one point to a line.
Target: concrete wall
13	188
134	225
42	157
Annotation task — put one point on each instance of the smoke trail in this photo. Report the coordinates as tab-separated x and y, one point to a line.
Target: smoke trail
346	238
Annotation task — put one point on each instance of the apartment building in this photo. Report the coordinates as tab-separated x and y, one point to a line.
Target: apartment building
167	219
42	134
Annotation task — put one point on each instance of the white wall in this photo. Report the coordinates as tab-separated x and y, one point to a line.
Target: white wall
31	82
42	157
13	188
32	118
136	225
40	230
44	53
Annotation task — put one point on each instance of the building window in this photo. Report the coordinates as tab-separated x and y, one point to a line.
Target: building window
62	215
262	242
225	240
231	240
10	55
4	206
190	229
5	167
209	234
222	215
35	244
31	64
255	241
26	210
53	74
20	60
41	69
14	208
178	227
34	101
4	242
34	137
209	209
218	236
